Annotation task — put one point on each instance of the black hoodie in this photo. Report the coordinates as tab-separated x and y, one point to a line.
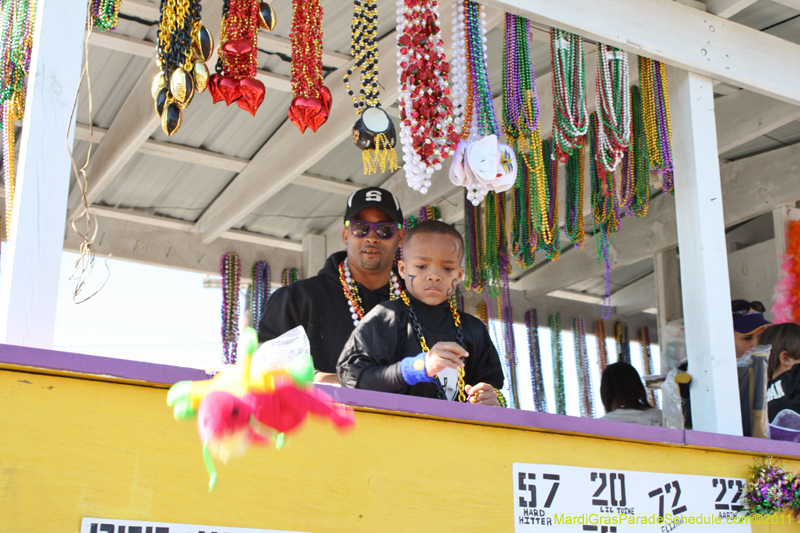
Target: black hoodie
320	306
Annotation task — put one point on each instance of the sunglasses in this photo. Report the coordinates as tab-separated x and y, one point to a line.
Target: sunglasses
362	228
742	307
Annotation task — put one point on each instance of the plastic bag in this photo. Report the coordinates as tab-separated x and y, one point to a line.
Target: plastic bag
752	371
671	401
281	352
785	426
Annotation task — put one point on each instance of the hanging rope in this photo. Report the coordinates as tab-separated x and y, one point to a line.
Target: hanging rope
231	276
582	365
647	361
537	376
262	279
554	321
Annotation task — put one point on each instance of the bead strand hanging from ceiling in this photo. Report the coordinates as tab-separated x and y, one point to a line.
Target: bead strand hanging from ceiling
537	377
473	241
427	132
602	348
234	79
605	211
585	390
635	171
501	321
311	102
16	36
546	202
613	106
554	321
657	121
647	360
105	14
623	342
570	120
523	234
231	271
481	163
289	276
575	178
184	45
262	279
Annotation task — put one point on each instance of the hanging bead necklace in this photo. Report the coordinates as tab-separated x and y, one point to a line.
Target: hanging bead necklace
520	101
635	183
657	122
16	34
351	291
495	242
426	124
499	327
537	377
184	45
546	194
311	104
573	221
474	279
231	277
523	235
613	104
237	63
647	361
569	91
260	291
623	342
462	395
105	14
289	275
554	321
602	351
582	364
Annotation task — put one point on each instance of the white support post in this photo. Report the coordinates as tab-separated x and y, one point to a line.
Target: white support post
32	260
704	263
313	255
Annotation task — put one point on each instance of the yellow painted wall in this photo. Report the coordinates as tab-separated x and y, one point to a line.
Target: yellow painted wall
72	448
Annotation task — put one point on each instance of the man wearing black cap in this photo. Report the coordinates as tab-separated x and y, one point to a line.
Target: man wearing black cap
350	284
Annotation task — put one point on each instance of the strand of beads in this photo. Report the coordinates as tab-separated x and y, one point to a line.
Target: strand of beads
474	279
537	377
507	318
311	104
636	162
352	294
429	212
573	221
657	121
605	211
16	34
105	14
289	275
554	321
482	312
523	235
546	200
231	277
427	132
520	101
495	242
582	364
260	291
613	104
459	299
623	342
499	325
569	91
184	46
647	360
602	349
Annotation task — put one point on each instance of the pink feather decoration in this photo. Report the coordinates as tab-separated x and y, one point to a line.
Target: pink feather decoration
786	296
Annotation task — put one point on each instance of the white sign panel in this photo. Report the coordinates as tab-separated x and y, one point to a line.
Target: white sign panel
569	498
111	525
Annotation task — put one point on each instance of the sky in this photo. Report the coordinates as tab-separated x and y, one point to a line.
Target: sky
161	315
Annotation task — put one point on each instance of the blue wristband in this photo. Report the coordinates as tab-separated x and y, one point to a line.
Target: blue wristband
413	370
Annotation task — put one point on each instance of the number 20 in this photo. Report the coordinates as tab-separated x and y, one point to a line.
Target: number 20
611	482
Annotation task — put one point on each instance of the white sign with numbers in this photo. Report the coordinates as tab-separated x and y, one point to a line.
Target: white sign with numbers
572	498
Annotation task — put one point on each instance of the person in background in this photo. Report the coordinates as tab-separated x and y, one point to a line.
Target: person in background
350	284
783	373
748	324
624	397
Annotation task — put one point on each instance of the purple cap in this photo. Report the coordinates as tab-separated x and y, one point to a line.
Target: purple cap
746	320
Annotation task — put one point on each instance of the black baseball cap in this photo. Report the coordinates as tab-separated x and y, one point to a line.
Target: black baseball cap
373	197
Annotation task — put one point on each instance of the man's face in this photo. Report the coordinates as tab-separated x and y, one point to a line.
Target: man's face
371	253
431	266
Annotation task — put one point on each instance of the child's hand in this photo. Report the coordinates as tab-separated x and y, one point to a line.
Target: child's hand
444	355
482	393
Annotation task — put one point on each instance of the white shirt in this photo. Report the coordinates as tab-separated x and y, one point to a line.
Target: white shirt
649	417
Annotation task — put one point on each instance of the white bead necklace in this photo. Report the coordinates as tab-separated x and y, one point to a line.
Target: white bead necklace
354	301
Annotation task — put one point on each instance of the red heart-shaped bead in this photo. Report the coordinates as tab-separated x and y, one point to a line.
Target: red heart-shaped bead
315	121
296	116
325	96
237	47
252	92
229	89
213	88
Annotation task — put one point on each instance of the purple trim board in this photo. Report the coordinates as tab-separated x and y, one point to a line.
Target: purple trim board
49	360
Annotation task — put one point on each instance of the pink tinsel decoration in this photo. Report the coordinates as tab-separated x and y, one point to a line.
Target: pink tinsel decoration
786	297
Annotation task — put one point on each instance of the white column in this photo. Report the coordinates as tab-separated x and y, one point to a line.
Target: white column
313	255
32	259
704	262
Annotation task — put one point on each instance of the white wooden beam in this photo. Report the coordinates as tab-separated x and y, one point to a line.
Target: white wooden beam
32	259
750	187
794	4
122	43
677	35
314	255
576	296
727	8
704	261
131	127
636	297
145	219
744	116
140	8
173	248
333	186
